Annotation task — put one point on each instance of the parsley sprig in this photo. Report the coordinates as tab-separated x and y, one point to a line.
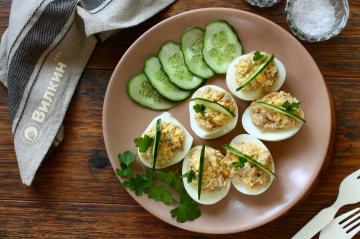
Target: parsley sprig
186	211
143	143
125	160
258	56
199	108
291	107
240	163
157	186
190	175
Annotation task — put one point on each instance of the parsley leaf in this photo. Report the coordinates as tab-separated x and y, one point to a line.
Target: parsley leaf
172	179
160	194
190	175
257	56
143	143
125	160
186	211
140	184
199	108
240	163
291	107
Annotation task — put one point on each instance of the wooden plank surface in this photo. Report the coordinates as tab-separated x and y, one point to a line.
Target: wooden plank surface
76	194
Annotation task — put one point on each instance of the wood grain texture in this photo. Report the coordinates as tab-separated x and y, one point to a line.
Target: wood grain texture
76	194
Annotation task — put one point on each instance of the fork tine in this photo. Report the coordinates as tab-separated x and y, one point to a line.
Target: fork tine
355	230
345	215
356	219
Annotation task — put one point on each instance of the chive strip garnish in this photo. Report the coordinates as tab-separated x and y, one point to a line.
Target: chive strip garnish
280	110
249	159
201	168
256	73
157	141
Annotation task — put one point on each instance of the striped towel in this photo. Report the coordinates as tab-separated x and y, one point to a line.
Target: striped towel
42	55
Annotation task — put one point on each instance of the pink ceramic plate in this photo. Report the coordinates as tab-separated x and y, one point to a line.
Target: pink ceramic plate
298	160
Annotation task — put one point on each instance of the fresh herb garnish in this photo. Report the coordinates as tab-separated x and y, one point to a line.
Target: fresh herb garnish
140	184
281	110
199	108
249	159
125	159
257	56
291	107
186	211
157	142
240	163
201	168
160	194
190	175
143	143
150	183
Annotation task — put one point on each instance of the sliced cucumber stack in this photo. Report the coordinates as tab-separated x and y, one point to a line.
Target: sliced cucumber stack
192	42
160	81
221	46
141	91
173	63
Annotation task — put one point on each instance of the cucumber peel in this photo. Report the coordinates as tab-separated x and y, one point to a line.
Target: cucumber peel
157	142
173	63
280	110
213	105
192	42
249	159
201	169
141	91
258	71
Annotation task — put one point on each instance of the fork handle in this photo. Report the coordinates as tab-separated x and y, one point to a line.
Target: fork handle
317	223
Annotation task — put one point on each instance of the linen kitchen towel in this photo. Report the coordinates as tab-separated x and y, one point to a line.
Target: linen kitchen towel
42	55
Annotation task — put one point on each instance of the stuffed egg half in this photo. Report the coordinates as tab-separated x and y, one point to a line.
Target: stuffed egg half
215	175
174	143
246	176
277	116
251	76
213	112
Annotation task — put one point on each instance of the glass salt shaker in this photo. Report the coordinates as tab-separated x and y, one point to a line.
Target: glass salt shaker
263	3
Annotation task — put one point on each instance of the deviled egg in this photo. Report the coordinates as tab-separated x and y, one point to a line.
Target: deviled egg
166	140
213	112
251	76
215	183
276	116
252	168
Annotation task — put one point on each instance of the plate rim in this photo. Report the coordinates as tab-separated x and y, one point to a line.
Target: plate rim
314	178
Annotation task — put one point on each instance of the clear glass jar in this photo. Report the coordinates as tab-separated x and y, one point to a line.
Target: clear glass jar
263	3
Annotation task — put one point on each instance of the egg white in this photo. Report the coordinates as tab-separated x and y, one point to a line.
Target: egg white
205	134
179	155
241	187
252	95
255	131
206	198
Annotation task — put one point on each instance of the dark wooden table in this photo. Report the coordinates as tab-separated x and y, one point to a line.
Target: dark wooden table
76	194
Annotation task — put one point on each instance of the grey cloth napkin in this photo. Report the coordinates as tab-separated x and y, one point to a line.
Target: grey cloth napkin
42	55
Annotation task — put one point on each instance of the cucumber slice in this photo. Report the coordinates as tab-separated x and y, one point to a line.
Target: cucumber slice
141	92
160	81
280	110
173	63
213	105
201	169
192	42
249	159
157	142
253	75
221	46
